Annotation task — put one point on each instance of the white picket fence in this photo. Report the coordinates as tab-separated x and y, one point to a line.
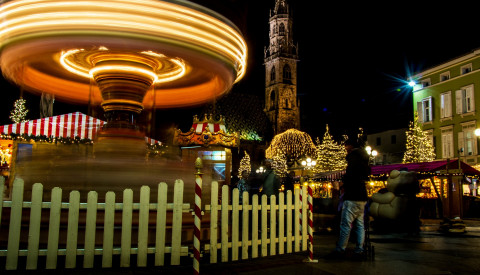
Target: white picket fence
272	228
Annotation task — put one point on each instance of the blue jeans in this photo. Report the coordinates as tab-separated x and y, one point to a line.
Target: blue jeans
352	216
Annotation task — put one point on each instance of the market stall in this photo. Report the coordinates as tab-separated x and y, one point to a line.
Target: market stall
437	179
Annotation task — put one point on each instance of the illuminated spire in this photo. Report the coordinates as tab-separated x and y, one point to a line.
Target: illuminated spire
281	7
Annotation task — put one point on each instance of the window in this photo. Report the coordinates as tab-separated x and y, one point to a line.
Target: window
272	100
425	110
212	155
446	105
393	139
445	76
287	73
272	74
467	141
466	69
447	142
426	83
465	102
379	141
282	29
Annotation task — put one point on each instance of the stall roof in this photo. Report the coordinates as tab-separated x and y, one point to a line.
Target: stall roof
68	125
425	167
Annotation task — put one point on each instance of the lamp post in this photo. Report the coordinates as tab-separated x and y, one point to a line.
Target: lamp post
260	170
373	154
308	164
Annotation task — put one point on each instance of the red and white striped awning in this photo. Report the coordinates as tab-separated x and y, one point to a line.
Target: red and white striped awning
66	126
212	127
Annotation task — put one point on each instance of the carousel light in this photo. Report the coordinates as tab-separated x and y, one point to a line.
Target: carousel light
200	52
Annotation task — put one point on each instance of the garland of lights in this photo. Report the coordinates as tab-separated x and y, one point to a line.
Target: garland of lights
152	148
330	154
293	144
19	111
244	165
419	148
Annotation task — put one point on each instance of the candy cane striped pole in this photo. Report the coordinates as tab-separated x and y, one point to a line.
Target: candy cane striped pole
310	224
198	216
301	207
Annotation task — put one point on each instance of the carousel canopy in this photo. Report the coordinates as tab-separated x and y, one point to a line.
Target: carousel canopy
206	132
66	126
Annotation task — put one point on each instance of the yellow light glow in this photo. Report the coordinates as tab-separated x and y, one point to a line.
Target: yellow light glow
203	49
155	18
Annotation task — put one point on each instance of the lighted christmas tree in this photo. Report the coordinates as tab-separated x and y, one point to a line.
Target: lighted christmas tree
244	165
330	154
279	165
419	147
19	111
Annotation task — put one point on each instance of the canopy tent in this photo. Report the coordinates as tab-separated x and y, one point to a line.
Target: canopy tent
66	126
208	124
425	167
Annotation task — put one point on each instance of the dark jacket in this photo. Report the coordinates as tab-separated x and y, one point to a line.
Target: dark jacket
271	184
356	175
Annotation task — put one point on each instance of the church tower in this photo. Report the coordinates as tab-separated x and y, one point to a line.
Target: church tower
280	60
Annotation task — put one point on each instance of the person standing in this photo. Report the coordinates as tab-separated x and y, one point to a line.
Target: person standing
354	199
288	183
243	185
271	182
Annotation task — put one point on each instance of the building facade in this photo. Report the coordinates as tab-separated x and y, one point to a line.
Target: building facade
390	146
281	57
447	99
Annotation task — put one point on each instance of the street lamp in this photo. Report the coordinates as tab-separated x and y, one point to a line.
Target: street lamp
260	170
308	164
373	153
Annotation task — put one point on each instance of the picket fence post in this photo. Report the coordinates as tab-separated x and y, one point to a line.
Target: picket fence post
15	225
34	227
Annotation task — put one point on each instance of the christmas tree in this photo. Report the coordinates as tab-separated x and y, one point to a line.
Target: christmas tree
330	154
419	147
244	165
19	111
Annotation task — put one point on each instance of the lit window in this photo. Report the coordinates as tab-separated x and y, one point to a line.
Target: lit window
212	155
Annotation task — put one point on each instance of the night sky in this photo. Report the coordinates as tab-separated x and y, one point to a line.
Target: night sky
352	57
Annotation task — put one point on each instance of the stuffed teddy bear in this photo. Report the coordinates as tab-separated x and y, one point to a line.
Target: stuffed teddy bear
399	200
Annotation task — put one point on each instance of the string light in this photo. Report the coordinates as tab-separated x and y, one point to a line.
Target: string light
19	111
419	148
244	165
293	144
330	154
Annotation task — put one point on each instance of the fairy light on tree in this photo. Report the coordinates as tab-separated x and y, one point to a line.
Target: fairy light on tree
19	111
279	165
330	154
245	165
292	144
419	147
